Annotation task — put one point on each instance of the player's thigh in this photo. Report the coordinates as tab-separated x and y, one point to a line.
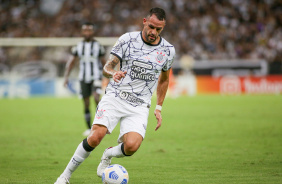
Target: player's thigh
96	135
135	122
107	113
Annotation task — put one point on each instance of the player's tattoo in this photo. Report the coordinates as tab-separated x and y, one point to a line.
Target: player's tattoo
109	68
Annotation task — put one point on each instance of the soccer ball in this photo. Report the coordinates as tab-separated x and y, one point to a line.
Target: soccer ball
115	174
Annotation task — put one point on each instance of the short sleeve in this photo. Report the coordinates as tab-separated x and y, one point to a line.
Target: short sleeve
120	46
170	60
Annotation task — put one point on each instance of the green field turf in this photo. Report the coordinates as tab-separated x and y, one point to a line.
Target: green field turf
203	140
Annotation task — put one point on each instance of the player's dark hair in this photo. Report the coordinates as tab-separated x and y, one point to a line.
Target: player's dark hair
160	13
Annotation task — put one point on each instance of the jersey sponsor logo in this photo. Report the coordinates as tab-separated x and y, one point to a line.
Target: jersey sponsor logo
143	65
139	71
130	98
145	77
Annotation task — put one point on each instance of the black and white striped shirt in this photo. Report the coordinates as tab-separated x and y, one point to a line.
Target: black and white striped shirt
90	67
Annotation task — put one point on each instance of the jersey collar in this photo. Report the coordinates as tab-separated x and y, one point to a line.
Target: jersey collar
150	43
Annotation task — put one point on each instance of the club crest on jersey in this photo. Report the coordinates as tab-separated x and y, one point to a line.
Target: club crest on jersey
100	114
160	57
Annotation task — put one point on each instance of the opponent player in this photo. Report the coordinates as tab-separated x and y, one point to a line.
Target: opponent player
145	60
91	54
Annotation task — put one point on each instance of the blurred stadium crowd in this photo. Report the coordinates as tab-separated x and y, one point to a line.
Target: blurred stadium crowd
203	29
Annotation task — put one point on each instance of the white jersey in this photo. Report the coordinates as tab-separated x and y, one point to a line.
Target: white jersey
143	63
90	67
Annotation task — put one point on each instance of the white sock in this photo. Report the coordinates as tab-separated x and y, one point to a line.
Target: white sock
115	152
79	156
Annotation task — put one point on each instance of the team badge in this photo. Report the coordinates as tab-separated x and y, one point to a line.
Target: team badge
100	114
160	57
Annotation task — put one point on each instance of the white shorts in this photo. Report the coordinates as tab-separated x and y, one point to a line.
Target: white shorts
112	110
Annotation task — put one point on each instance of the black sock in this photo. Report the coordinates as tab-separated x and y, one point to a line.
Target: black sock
87	117
122	149
86	146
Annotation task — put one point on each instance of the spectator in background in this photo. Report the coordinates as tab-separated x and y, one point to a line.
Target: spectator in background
231	29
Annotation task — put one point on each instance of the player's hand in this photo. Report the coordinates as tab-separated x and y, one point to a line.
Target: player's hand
66	82
118	75
159	119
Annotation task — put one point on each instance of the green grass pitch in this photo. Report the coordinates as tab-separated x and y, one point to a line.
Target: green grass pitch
203	140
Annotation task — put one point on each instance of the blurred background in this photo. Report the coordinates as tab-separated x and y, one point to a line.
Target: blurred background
222	46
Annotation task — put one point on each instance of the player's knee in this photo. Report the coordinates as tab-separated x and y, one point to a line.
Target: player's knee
94	141
130	147
95	137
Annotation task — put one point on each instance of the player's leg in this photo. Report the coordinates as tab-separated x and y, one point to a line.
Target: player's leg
97	90
98	132
101	126
87	114
86	89
131	142
133	129
96	95
82	152
132	133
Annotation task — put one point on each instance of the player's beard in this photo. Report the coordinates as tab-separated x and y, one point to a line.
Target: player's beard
151	38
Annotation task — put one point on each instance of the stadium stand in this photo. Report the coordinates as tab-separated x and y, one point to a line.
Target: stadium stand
203	29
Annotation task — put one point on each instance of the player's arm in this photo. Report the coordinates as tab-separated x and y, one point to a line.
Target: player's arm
161	92
109	69
103	60
102	55
69	66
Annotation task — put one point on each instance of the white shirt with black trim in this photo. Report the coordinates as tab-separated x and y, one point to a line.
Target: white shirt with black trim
143	63
90	66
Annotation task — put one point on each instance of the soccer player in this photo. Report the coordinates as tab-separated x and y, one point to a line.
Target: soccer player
145	60
91	54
